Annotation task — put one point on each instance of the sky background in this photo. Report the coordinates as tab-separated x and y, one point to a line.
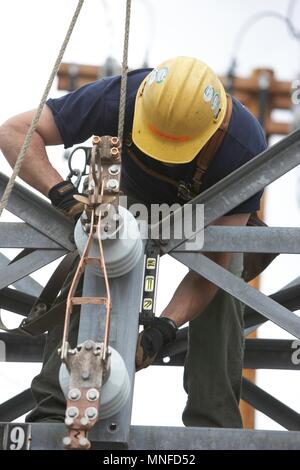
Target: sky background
31	33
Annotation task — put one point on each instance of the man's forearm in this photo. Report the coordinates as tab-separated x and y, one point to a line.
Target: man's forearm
36	169
194	293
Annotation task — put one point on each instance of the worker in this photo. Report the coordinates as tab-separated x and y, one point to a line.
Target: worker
172	113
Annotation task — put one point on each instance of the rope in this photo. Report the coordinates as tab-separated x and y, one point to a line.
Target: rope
35	120
124	73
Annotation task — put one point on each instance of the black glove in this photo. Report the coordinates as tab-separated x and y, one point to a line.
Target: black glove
161	331
61	197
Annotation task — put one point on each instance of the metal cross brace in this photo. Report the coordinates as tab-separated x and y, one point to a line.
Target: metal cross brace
242	291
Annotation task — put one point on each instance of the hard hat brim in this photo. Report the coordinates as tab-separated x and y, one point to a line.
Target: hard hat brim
164	149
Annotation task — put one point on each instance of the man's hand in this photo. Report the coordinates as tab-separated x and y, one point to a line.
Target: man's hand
150	341
62	197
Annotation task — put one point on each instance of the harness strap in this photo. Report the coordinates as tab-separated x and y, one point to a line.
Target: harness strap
210	149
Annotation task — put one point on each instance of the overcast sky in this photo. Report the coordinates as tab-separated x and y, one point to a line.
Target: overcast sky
31	32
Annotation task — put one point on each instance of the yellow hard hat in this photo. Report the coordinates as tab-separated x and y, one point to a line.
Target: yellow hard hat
178	107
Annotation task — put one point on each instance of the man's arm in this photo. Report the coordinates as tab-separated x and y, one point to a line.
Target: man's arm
36	169
195	292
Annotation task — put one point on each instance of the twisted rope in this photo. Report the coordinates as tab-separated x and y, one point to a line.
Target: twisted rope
124	73
35	120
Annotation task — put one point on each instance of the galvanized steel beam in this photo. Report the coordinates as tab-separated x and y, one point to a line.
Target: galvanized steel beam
239	186
242	291
26	284
270	406
39	214
21	235
27	265
248	240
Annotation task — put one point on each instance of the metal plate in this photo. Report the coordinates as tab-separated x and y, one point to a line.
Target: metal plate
15	436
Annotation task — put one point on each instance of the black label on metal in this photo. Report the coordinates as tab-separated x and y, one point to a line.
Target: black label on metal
150	276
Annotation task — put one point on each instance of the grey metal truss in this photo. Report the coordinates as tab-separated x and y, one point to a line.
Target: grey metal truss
27	265
248	240
237	187
49	436
49	235
20	235
26	284
39	214
242	291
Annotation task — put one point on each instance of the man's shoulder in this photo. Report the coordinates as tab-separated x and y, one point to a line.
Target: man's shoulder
245	129
111	85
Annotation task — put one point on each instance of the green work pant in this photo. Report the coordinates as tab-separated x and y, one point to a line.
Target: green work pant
212	373
213	365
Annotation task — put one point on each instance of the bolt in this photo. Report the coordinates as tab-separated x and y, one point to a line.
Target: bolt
114	140
92	394
114	169
84	442
91	412
85	375
96	140
114	151
84	421
66	441
74	394
69	421
113	427
72	412
112	184
88	345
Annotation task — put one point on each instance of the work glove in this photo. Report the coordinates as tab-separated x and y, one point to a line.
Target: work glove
160	332
61	197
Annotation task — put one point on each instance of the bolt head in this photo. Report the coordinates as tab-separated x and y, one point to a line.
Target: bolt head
72	411
74	394
66	441
112	184
92	394
85	375
84	421
114	169
88	345
91	412
84	442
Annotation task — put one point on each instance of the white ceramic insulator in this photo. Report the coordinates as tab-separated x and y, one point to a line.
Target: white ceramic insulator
114	392
121	253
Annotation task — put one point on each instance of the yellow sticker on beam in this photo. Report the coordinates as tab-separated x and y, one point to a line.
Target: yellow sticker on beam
147	304
149	283
151	263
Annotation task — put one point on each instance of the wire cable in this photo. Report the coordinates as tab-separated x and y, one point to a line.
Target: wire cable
244	29
123	89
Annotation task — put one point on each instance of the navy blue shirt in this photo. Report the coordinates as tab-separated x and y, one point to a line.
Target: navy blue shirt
93	110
